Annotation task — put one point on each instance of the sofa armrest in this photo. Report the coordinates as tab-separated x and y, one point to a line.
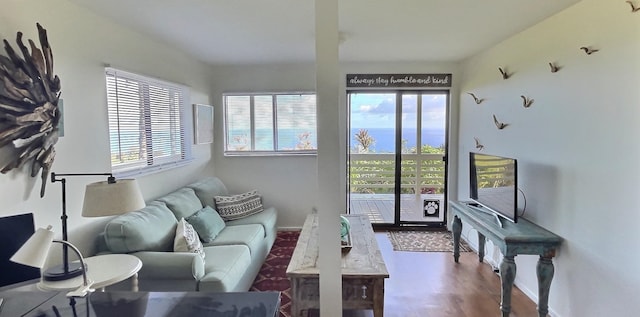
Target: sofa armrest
170	265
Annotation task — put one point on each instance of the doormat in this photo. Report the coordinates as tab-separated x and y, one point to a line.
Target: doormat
424	241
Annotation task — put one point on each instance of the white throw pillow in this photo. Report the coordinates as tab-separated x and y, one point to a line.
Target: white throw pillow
239	206
187	239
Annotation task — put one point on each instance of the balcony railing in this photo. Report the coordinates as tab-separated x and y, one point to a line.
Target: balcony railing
372	185
375	173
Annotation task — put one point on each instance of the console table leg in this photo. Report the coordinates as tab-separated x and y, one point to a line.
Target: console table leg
456	228
507	276
545	271
481	240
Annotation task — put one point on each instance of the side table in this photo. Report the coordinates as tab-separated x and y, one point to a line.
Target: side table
102	270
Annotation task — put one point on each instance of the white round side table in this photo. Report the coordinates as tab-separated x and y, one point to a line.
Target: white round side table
102	270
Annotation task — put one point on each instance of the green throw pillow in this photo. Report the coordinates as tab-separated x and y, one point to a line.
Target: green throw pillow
207	223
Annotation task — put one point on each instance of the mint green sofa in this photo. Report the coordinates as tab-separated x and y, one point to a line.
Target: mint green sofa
232	260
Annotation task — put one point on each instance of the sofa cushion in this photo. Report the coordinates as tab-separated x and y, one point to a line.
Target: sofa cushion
224	267
266	218
207	223
187	239
182	202
239	206
251	235
208	188
151	228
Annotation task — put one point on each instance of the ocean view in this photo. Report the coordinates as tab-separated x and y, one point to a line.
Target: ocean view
385	138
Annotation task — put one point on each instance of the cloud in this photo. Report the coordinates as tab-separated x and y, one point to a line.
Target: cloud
387	106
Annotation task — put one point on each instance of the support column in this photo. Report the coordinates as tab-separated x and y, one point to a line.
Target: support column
331	196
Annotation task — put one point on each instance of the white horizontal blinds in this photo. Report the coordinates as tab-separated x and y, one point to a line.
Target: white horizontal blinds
167	137
263	123
267	123
296	119
126	122
145	121
238	114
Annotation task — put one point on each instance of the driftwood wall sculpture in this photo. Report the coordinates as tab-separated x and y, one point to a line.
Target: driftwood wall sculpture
29	113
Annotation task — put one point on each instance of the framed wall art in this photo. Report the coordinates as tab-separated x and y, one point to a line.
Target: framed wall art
203	123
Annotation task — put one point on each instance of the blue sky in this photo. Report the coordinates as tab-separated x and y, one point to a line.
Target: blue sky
377	110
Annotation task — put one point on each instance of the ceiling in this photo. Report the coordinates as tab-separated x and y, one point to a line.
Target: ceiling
282	31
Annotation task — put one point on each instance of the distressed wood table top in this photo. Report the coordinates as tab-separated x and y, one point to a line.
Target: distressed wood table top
363	260
363	269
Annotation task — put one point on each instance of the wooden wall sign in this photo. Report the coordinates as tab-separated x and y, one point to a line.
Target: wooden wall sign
398	80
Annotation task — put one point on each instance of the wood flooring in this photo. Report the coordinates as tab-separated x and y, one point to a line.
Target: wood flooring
431	284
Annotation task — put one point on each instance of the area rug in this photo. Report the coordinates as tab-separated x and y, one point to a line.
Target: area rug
273	273
424	241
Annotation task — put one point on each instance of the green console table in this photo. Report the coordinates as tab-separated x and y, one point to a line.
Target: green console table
512	239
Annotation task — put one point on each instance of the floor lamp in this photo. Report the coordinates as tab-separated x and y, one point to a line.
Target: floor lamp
110	197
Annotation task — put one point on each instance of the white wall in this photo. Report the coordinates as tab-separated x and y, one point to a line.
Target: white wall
82	43
288	182
576	147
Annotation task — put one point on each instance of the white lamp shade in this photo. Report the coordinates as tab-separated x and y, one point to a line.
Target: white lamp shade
34	251
108	199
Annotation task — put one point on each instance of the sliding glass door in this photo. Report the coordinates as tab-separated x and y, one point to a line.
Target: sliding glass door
397	155
372	158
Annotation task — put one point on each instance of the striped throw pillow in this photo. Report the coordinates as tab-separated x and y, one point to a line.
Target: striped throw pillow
239	206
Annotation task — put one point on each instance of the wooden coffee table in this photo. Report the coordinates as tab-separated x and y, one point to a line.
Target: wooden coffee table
363	269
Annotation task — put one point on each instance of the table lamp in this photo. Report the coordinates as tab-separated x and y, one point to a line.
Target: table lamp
34	253
106	198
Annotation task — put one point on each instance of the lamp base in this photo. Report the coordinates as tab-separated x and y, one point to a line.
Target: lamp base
57	273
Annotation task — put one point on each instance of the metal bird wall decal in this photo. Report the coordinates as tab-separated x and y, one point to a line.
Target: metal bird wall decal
478	145
554	68
499	125
476	99
526	102
588	50
504	73
29	113
633	7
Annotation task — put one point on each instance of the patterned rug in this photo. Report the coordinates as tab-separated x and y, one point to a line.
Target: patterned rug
424	241
272	275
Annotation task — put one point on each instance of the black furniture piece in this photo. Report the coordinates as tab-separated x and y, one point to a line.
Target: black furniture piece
139	304
14	232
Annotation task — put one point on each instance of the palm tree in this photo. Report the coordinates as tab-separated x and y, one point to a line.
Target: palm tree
365	141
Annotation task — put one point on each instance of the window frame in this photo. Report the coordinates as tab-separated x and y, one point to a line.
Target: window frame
274	105
153	163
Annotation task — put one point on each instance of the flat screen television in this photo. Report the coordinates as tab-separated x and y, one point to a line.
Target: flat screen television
494	184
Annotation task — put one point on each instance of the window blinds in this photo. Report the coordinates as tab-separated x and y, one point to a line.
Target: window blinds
146	122
270	123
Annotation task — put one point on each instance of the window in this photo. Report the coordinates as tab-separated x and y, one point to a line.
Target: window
147	123
270	123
